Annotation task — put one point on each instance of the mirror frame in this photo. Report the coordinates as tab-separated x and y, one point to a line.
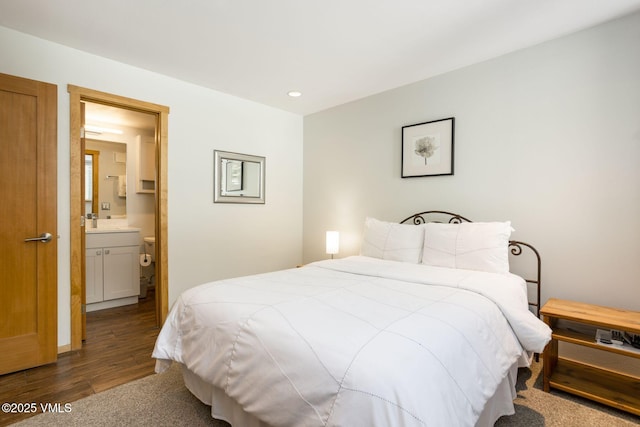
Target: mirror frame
95	163
218	197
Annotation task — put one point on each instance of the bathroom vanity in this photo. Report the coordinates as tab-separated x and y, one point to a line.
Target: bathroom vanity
113	270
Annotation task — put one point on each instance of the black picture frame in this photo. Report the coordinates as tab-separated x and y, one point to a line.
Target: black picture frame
428	148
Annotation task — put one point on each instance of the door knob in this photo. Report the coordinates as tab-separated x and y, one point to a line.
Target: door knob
44	238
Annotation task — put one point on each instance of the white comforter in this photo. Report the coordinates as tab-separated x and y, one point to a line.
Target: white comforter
355	342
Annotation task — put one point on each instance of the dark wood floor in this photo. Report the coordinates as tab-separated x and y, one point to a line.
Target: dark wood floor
117	350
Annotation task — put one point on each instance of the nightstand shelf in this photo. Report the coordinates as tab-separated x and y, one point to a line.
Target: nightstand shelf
596	383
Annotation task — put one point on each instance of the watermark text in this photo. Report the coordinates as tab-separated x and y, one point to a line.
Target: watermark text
33	407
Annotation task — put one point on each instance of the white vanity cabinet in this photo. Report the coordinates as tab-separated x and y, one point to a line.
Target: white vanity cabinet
113	270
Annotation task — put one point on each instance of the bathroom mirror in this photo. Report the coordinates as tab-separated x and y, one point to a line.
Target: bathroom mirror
105	178
91	172
238	178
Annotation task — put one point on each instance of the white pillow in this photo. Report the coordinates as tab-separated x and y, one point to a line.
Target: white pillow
482	246
391	241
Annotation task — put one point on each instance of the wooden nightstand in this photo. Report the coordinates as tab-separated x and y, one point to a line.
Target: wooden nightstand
595	383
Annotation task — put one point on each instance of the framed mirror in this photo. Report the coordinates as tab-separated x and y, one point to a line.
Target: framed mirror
91	173
238	178
105	168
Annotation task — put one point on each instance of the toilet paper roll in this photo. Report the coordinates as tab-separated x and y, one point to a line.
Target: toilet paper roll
145	260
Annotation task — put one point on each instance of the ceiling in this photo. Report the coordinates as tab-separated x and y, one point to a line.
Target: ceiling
114	117
333	51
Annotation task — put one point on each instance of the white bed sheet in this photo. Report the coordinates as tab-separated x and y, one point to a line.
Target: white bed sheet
357	341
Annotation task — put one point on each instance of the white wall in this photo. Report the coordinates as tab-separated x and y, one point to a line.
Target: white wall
547	137
206	241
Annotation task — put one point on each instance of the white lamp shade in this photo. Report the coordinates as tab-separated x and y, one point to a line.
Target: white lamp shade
333	242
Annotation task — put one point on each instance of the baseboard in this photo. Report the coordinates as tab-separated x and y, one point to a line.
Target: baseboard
64	348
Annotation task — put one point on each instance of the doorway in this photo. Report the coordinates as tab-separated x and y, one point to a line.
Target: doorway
78	99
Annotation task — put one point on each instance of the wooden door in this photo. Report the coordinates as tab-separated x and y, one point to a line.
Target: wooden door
83	243
28	223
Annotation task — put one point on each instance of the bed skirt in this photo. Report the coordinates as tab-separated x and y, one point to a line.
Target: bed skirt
227	409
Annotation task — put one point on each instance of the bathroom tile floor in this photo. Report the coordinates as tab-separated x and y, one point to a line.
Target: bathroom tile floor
117	350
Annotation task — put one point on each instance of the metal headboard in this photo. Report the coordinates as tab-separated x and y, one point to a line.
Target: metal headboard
515	246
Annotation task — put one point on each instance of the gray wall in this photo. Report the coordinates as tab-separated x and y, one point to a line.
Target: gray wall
547	137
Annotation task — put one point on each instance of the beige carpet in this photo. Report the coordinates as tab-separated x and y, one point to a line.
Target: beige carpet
162	400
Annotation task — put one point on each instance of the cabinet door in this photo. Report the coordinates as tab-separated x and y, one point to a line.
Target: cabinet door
146	167
94	275
121	272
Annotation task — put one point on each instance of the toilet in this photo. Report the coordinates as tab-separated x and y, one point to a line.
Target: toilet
148	276
150	246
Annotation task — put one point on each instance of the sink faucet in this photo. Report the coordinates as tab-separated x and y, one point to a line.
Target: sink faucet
94	219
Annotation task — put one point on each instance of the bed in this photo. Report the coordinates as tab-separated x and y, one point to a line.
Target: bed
426	327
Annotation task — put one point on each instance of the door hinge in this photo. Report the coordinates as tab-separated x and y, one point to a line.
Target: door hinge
83	308
82	220
82	132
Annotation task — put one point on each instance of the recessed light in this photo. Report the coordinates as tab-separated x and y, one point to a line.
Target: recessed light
294	93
